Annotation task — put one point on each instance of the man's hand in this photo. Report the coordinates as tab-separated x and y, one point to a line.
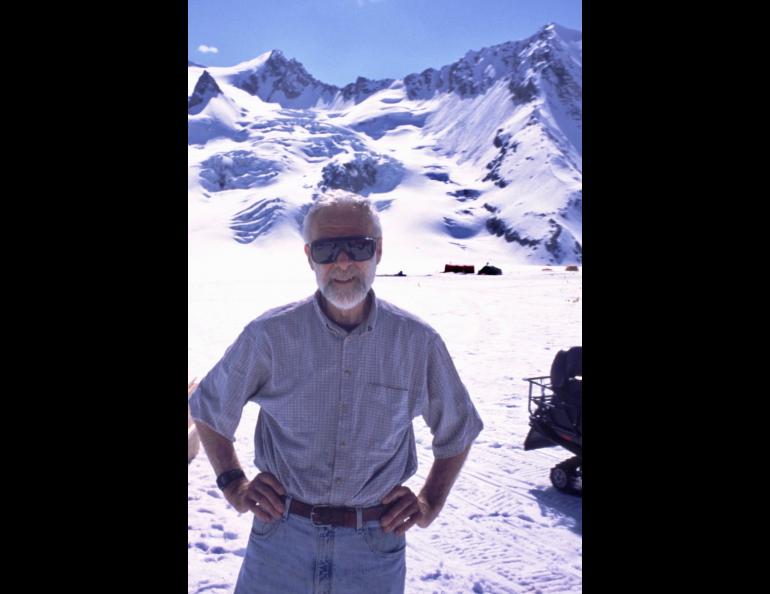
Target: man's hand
406	511
262	496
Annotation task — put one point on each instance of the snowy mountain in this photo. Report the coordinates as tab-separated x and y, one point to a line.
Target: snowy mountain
274	79
479	160
205	90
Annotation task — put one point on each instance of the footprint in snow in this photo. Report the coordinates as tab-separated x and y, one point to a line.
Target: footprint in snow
432	576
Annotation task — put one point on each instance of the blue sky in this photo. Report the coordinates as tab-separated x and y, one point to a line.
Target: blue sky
338	40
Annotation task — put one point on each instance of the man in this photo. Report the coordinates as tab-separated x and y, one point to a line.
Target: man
338	378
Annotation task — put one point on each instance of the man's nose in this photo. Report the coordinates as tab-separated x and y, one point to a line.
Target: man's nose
343	258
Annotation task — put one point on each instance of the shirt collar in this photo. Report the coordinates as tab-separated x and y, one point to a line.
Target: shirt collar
368	325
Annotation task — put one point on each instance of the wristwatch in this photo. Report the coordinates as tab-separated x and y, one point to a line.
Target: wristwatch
229	476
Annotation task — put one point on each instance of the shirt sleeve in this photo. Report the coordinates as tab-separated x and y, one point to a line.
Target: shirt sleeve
448	410
245	367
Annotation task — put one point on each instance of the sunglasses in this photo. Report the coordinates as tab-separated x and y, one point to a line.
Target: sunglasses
358	249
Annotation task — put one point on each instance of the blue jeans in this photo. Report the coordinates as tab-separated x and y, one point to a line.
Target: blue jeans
294	556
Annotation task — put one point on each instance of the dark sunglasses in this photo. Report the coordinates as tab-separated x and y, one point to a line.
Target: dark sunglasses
358	249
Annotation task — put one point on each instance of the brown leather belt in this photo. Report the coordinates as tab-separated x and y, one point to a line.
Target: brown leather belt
326	515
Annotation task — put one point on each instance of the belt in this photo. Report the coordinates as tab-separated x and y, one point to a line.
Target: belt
327	515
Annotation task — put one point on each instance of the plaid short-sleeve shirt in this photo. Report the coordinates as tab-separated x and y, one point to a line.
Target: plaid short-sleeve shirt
336	407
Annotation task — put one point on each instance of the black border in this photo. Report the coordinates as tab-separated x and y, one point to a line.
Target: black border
104	245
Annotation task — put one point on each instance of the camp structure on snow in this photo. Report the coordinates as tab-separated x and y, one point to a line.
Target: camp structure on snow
487	269
461	268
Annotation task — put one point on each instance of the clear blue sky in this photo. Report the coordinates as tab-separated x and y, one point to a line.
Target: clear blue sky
338	40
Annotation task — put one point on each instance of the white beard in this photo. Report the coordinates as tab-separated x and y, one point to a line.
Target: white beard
348	296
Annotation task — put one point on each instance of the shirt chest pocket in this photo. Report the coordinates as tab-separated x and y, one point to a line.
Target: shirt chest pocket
387	411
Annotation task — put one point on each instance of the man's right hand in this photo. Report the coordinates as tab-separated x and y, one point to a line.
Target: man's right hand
262	496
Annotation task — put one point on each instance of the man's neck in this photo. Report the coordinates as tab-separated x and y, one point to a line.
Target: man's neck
347	318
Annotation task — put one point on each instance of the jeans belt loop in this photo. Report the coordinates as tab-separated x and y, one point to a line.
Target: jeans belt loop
287	505
360	519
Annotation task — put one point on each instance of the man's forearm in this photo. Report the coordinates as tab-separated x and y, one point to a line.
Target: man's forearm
219	449
441	478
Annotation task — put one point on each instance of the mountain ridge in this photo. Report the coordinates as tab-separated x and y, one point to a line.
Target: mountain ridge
501	127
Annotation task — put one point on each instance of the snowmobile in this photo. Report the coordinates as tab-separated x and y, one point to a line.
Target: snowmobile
556	419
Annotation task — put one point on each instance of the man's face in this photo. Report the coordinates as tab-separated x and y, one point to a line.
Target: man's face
345	283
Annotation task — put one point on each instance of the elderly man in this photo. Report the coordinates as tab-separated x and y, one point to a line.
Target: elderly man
338	377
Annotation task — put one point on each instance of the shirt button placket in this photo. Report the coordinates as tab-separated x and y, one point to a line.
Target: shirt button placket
345	391
347	374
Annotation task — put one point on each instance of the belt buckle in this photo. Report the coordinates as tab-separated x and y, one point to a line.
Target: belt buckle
321	515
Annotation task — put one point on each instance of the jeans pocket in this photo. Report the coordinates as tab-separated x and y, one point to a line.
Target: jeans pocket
385	544
262	530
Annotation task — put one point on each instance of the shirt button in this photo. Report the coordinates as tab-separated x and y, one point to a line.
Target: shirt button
343	444
347	372
338	479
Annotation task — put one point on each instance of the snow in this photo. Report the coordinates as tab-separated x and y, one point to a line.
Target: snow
569	35
390	142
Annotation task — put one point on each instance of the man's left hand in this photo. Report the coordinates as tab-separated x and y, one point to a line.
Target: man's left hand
406	510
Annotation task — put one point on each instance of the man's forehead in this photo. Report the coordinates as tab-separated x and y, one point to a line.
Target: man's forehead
341	220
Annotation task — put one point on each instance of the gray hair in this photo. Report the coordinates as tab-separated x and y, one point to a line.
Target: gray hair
332	199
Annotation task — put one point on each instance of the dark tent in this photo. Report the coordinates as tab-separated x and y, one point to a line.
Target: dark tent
490	270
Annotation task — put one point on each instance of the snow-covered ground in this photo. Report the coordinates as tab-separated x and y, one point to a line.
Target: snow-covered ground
504	528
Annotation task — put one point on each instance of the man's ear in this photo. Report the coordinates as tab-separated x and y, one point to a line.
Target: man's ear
379	250
309	259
